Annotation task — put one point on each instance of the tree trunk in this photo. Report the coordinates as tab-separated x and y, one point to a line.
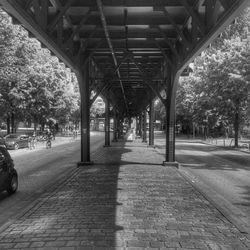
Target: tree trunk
8	123
42	126
35	125
236	127
13	129
96	124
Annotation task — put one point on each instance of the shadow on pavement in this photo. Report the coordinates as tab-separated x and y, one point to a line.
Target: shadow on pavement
200	156
245	196
80	213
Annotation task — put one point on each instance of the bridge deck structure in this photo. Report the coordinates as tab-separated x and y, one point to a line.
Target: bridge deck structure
128	51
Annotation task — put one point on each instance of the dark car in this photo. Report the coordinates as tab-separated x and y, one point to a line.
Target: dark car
16	141
2	141
8	174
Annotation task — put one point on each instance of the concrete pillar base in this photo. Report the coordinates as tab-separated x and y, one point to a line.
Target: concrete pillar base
85	163
171	164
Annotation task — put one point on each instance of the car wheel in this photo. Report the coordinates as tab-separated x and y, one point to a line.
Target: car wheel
16	146
13	184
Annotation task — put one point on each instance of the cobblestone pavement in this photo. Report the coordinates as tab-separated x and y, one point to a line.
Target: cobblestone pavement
126	200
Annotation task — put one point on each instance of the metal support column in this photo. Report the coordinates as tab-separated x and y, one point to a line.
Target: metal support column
119	130
170	123
144	135
137	128
140	125
107	124
83	80
151	123
115	127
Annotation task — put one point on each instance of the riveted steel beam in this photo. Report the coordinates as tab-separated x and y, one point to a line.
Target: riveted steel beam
104	23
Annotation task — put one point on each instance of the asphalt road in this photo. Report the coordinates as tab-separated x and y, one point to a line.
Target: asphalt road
39	169
227	172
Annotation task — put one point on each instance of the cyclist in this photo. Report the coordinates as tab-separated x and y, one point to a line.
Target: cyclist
33	141
49	138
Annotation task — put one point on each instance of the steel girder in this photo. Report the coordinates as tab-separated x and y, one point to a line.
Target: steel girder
128	42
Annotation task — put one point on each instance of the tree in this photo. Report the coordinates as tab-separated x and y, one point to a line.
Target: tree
221	90
98	108
227	74
35	86
12	76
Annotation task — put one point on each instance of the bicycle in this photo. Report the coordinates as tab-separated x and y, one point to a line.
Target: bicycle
48	143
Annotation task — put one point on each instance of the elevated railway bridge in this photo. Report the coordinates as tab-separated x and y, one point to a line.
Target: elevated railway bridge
128	51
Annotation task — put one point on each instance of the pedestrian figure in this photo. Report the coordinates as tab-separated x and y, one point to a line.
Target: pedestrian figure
74	134
33	141
49	138
29	142
133	134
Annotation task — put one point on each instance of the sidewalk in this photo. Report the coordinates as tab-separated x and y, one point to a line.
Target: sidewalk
126	200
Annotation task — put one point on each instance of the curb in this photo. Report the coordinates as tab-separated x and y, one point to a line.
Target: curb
45	194
41	197
230	212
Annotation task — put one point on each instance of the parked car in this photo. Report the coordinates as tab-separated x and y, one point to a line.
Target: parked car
16	141
8	174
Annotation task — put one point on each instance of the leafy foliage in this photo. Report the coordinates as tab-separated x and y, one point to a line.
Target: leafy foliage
98	108
217	93
35	86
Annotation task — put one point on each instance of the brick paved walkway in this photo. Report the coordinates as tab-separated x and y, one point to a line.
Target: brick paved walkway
127	200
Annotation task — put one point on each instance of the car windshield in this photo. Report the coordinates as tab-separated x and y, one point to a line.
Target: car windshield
12	136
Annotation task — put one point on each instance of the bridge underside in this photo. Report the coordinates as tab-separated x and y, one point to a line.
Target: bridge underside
129	51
